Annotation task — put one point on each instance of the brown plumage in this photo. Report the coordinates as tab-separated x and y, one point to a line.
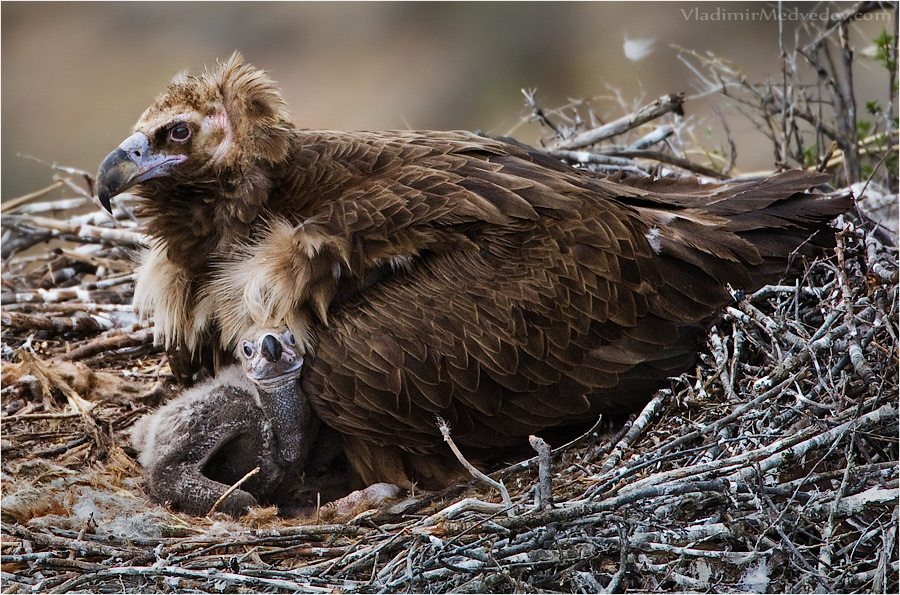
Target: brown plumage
436	273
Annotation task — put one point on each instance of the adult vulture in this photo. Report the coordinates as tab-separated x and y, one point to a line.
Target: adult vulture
430	273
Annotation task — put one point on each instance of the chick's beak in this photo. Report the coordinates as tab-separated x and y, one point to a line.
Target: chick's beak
131	163
271	348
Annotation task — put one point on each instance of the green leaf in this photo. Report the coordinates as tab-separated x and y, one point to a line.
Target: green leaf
863	127
884	46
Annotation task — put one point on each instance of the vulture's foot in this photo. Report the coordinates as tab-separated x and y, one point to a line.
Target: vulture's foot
371	497
359	501
343	509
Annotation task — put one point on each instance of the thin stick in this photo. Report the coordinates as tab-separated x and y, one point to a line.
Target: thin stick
640	424
648	140
109	343
544	490
617	578
782	158
663	105
231	490
11	204
444	427
457	508
670	160
86	231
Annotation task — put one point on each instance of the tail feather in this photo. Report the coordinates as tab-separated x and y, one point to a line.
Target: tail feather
743	234
726	199
707	236
801	210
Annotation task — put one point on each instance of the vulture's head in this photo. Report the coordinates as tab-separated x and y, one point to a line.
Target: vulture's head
206	130
273	361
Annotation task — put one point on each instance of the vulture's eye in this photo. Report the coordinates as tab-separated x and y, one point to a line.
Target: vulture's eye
248	348
180	132
290	338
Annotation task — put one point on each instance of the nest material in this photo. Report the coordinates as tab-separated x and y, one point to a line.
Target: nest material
773	466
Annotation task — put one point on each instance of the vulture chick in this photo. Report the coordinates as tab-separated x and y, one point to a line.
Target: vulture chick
211	436
198	445
430	273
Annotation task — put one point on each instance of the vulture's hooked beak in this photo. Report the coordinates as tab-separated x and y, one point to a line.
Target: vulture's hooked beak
131	163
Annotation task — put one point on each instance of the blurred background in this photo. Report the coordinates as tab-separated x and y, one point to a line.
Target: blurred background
76	76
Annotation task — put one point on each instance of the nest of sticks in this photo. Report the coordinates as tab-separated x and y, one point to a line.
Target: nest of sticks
772	466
